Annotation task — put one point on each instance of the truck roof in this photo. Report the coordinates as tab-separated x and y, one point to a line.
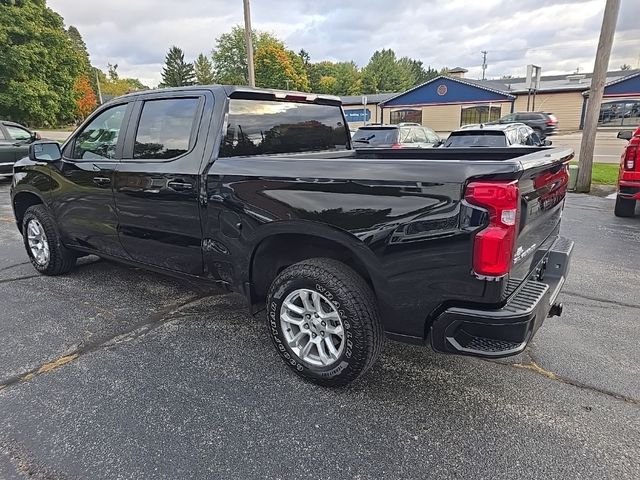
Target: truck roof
241	90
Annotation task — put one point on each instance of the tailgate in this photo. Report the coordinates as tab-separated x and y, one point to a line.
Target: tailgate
543	187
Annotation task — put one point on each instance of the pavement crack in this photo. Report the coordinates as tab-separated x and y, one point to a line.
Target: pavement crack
15	279
138	330
26	465
14	266
598	299
532	365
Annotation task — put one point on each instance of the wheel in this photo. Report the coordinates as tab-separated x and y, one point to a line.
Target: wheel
41	239
323	319
624	207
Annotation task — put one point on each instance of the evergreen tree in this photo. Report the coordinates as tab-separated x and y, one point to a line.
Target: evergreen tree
177	72
203	69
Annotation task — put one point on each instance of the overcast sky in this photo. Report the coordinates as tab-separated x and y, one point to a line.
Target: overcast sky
559	35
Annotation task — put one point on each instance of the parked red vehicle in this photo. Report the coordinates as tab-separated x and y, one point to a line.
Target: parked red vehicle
629	177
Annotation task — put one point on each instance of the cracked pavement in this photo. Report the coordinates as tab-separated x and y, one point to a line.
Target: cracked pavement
113	372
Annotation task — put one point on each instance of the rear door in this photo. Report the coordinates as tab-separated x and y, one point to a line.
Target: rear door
157	182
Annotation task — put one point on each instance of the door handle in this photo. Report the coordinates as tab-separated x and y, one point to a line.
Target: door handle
101	181
179	186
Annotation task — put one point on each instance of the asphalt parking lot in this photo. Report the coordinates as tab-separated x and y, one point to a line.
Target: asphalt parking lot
111	372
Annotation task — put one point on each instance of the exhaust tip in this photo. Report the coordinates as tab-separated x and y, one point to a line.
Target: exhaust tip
556	310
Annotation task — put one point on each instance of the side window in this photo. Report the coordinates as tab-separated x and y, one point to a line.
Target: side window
509	118
512	136
525	138
17	133
405	135
419	135
432	137
165	127
98	140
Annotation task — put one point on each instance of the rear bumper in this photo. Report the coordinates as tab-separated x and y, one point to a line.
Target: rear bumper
507	330
629	189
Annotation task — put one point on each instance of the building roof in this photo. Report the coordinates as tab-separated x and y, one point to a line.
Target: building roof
463	81
551	83
371	98
457	70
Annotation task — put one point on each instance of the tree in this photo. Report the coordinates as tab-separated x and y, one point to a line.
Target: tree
177	72
625	66
85	98
203	69
113	85
384	73
348	79
230	55
416	70
39	64
277	67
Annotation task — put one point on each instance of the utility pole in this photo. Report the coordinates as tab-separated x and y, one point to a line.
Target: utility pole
598	80
99	89
484	61
247	39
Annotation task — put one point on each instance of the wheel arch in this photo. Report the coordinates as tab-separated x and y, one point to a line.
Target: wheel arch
21	202
289	244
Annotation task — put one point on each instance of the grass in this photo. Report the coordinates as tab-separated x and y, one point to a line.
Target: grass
603	173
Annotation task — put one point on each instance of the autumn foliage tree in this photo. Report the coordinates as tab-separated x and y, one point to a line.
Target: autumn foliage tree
85	97
277	67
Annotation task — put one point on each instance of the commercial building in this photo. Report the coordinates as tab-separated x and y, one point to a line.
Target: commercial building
449	101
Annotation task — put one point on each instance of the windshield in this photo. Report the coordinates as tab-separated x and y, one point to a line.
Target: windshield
372	137
476	139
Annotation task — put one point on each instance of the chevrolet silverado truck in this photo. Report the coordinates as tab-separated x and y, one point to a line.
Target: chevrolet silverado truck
260	191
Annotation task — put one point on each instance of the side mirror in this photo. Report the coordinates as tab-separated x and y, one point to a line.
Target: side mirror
547	143
45	152
625	135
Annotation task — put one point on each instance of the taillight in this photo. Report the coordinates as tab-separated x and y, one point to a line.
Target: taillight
550	122
631	157
493	246
396	146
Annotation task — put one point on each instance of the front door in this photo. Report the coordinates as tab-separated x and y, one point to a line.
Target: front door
157	183
83	201
14	144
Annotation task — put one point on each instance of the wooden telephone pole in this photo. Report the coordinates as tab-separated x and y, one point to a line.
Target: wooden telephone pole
247	39
595	95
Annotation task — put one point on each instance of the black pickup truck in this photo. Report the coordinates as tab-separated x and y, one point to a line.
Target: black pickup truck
260	191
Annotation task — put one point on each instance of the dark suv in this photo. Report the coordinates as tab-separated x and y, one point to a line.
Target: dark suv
402	135
544	124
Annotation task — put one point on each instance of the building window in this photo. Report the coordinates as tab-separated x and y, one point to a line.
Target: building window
407	115
479	114
619	112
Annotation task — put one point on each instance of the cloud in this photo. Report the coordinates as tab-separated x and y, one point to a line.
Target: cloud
559	35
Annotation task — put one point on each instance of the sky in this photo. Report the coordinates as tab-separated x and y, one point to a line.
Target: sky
559	35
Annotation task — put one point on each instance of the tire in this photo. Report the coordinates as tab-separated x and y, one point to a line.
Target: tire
624	207
39	225
340	292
